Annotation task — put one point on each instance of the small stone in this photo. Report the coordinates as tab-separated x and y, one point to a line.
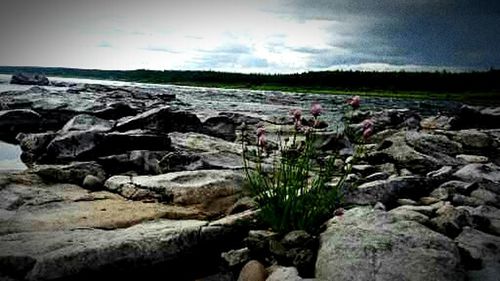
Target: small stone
473	158
297	238
377	176
92	182
253	271
440	193
459	199
258	241
451	220
236	257
379	206
441	174
487	196
404	214
426	210
405	201
405	172
428	200
280	273
243	204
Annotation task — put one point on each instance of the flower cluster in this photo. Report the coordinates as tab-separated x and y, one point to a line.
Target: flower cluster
354	102
261	136
367	125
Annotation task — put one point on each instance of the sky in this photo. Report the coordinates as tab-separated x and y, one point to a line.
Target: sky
271	36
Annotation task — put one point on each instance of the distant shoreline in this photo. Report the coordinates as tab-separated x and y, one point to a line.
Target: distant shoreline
471	87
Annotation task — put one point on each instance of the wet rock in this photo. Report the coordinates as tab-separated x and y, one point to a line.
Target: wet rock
373	245
74	172
29	79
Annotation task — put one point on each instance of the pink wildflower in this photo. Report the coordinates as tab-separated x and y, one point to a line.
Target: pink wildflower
261	141
261	131
297	114
316	109
367	123
367	133
354	101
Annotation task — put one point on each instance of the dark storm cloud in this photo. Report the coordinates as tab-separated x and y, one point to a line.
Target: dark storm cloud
241	35
424	32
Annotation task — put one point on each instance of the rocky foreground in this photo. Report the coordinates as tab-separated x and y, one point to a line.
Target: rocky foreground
124	183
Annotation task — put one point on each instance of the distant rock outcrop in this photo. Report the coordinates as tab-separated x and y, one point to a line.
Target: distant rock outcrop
29	79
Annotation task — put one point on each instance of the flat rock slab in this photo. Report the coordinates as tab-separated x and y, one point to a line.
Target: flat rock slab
35	207
65	254
366	244
212	191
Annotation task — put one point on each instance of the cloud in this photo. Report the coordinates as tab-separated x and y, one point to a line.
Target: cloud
251	36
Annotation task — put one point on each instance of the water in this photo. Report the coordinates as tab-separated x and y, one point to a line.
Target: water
10	157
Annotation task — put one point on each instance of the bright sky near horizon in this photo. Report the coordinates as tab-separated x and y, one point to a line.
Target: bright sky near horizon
271	36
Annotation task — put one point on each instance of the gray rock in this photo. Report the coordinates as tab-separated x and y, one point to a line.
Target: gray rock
492	215
212	191
377	176
243	204
236	257
451	220
85	122
15	121
459	200
138	161
280	273
472	158
34	145
253	271
477	117
74	172
404	201
442	174
482	250
432	144
487	196
67	254
258	241
163	119
473	139
29	79
373	245
479	172
436	122
92	182
409	215
297	238
387	191
84	145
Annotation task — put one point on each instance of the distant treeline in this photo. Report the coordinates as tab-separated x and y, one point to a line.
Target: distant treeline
485	81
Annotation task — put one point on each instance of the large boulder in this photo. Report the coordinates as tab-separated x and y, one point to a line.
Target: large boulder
365	244
16	121
213	192
481	251
85	145
71	173
479	172
29	79
85	122
163	119
477	117
387	191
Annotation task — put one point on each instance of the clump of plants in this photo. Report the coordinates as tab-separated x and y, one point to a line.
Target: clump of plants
298	188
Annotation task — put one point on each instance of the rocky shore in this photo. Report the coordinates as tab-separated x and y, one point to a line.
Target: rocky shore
130	181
